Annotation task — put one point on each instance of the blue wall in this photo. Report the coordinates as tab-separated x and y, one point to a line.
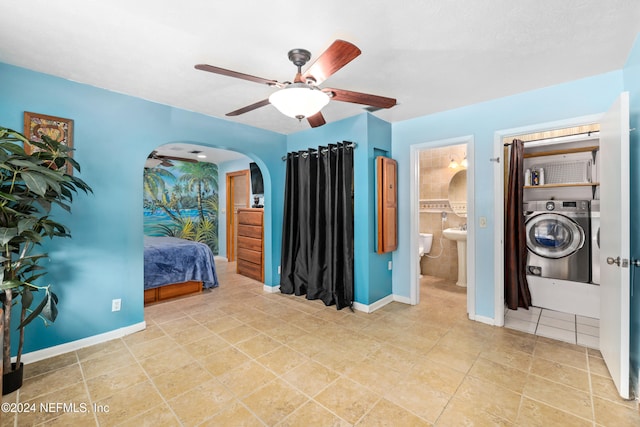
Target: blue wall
380	277
372	281
578	98
113	135
632	84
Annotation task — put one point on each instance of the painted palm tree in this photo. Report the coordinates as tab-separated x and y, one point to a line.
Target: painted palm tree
177	194
155	188
199	178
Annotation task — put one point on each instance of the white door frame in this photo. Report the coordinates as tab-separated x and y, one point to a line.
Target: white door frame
414	188
498	191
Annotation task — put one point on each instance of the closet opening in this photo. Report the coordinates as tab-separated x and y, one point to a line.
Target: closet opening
555	207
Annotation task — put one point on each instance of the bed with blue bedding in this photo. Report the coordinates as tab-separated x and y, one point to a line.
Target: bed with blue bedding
175	267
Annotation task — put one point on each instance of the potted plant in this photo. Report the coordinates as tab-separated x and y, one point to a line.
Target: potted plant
30	185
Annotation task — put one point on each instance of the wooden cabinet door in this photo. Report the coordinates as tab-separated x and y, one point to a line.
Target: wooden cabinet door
387	195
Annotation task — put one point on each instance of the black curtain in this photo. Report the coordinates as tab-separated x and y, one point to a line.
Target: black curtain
516	288
317	231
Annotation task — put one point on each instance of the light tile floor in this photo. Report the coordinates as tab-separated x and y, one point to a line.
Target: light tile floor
238	356
581	330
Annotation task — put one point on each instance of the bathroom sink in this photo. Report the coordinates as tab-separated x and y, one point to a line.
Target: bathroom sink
455	234
460	237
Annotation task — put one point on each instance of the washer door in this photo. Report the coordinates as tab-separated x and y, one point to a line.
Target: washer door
554	236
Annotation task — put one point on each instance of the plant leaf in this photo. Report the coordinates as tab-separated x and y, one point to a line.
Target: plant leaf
35	184
10	284
50	310
33	314
6	234
27	297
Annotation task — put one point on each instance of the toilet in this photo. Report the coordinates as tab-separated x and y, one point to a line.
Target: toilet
424	243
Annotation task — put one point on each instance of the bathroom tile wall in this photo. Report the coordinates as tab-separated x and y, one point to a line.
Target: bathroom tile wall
435	175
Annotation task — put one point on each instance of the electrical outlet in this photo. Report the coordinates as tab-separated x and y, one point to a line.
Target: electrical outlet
482	222
390	265
115	304
279	270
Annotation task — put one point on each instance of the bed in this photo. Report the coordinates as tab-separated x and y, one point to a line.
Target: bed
176	267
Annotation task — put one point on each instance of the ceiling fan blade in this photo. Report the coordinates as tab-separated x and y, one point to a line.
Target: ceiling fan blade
230	73
248	108
181	159
339	54
361	98
316	120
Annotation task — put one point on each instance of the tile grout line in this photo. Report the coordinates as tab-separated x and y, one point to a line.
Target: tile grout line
277	376
593	407
86	387
236	398
153	384
562	384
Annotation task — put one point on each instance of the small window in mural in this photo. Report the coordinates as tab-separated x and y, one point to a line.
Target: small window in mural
182	201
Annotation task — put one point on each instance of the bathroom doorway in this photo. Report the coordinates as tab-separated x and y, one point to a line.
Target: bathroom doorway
443	217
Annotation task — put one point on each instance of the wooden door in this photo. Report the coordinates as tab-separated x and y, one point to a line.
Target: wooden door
238	193
387	195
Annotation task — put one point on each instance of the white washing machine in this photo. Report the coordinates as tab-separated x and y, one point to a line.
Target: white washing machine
595	242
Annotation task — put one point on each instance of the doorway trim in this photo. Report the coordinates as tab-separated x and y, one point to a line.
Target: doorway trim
498	191
231	231
414	188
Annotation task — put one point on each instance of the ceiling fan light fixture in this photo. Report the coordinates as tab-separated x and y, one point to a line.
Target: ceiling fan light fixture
299	100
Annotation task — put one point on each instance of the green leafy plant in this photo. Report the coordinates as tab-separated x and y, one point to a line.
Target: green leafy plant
30	186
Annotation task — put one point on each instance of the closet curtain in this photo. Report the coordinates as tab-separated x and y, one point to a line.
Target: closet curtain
516	288
317	229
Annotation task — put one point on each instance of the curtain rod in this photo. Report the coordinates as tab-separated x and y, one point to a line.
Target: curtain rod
324	150
589	133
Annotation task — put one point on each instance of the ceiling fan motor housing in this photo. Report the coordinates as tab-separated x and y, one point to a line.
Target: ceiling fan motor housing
299	57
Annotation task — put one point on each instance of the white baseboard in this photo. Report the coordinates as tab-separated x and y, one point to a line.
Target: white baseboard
57	350
484	319
271	289
404	300
370	308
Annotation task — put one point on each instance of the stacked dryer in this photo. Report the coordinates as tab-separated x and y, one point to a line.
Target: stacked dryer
595	242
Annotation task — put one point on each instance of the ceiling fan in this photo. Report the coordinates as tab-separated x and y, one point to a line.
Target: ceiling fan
166	160
303	98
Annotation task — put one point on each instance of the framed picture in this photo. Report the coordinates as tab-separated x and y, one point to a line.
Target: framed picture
57	128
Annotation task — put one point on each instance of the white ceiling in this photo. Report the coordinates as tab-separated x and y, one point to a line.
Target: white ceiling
191	151
431	55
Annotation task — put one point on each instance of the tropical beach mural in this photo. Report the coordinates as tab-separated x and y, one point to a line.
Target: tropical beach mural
182	201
